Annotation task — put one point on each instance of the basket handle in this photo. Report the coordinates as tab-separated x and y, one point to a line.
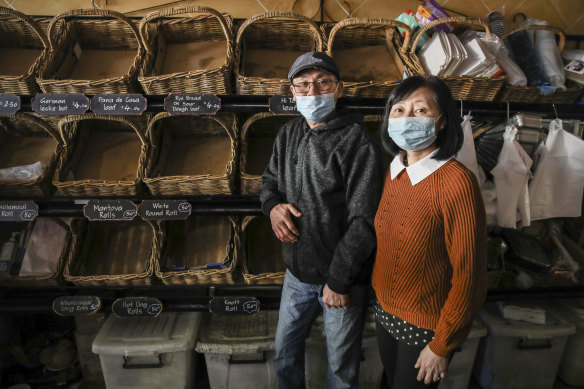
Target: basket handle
93	12
275	15
178	11
41	123
74	118
28	20
456	19
556	30
371	22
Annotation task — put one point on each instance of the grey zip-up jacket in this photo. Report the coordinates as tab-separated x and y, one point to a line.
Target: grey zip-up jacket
332	175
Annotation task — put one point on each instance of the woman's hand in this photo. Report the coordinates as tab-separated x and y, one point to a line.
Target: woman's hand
282	224
432	367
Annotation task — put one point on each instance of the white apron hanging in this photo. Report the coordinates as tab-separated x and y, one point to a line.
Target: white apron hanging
558	183
467	154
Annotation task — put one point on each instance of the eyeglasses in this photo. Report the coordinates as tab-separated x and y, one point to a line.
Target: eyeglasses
320	85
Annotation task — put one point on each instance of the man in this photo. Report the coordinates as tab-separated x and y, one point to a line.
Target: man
321	190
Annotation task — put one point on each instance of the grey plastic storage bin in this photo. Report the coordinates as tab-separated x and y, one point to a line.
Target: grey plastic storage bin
149	352
239	350
520	355
460	367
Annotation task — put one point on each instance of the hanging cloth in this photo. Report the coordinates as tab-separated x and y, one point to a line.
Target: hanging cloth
467	154
558	183
511	175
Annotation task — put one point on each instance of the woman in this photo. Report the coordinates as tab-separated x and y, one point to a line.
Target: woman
430	272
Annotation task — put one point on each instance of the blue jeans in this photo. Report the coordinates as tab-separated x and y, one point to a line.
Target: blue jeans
343	329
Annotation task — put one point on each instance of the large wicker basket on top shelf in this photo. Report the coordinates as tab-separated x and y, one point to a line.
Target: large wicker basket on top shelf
102	155
462	87
189	55
274	40
371	54
526	94
92	54
24	140
23	47
192	154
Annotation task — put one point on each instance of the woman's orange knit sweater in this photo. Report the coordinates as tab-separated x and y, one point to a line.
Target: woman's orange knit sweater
431	266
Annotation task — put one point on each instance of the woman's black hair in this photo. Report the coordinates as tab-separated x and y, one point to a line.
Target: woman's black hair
450	139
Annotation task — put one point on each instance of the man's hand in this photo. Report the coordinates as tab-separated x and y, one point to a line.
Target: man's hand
432	367
332	299
282	224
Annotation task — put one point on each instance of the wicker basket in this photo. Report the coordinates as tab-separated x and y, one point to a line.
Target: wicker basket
526	94
192	154
257	138
172	45
366	49
48	279
276	39
24	140
112	253
101	155
75	62
462	87
24	46
193	243
260	252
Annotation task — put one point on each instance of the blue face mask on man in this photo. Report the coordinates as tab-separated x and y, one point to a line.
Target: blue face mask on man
412	133
317	107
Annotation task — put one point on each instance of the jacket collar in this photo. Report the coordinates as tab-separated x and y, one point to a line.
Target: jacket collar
418	171
338	119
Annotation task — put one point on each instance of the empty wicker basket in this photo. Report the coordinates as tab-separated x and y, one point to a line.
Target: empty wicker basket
526	94
102	155
194	243
24	140
23	47
462	87
112	253
257	140
192	154
92	55
260	252
190	55
371	55
265	48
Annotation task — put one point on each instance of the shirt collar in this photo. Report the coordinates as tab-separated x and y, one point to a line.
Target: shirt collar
418	171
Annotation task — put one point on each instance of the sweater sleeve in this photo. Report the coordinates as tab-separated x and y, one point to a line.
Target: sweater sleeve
465	230
270	196
363	190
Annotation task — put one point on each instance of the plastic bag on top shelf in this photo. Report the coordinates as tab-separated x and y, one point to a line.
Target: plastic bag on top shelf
511	175
558	182
547	48
429	11
467	153
22	173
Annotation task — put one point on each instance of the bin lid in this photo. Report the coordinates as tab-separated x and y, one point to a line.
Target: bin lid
241	334
499	326
167	333
572	310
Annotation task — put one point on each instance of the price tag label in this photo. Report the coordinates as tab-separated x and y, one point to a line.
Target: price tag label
234	305
164	209
137	306
18	211
9	104
104	210
283	105
76	305
118	104
60	103
192	103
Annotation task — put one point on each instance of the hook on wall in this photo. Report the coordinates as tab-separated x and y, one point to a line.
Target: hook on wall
555	111
508	120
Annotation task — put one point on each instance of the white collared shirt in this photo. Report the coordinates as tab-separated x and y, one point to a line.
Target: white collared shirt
419	170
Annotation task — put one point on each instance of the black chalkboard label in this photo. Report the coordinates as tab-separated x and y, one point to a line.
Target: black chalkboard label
164	209
60	103
192	103
9	104
76	305
137	306
234	305
102	210
118	104
283	105
18	211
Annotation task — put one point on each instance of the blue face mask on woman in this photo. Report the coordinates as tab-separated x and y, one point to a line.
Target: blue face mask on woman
412	133
316	108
